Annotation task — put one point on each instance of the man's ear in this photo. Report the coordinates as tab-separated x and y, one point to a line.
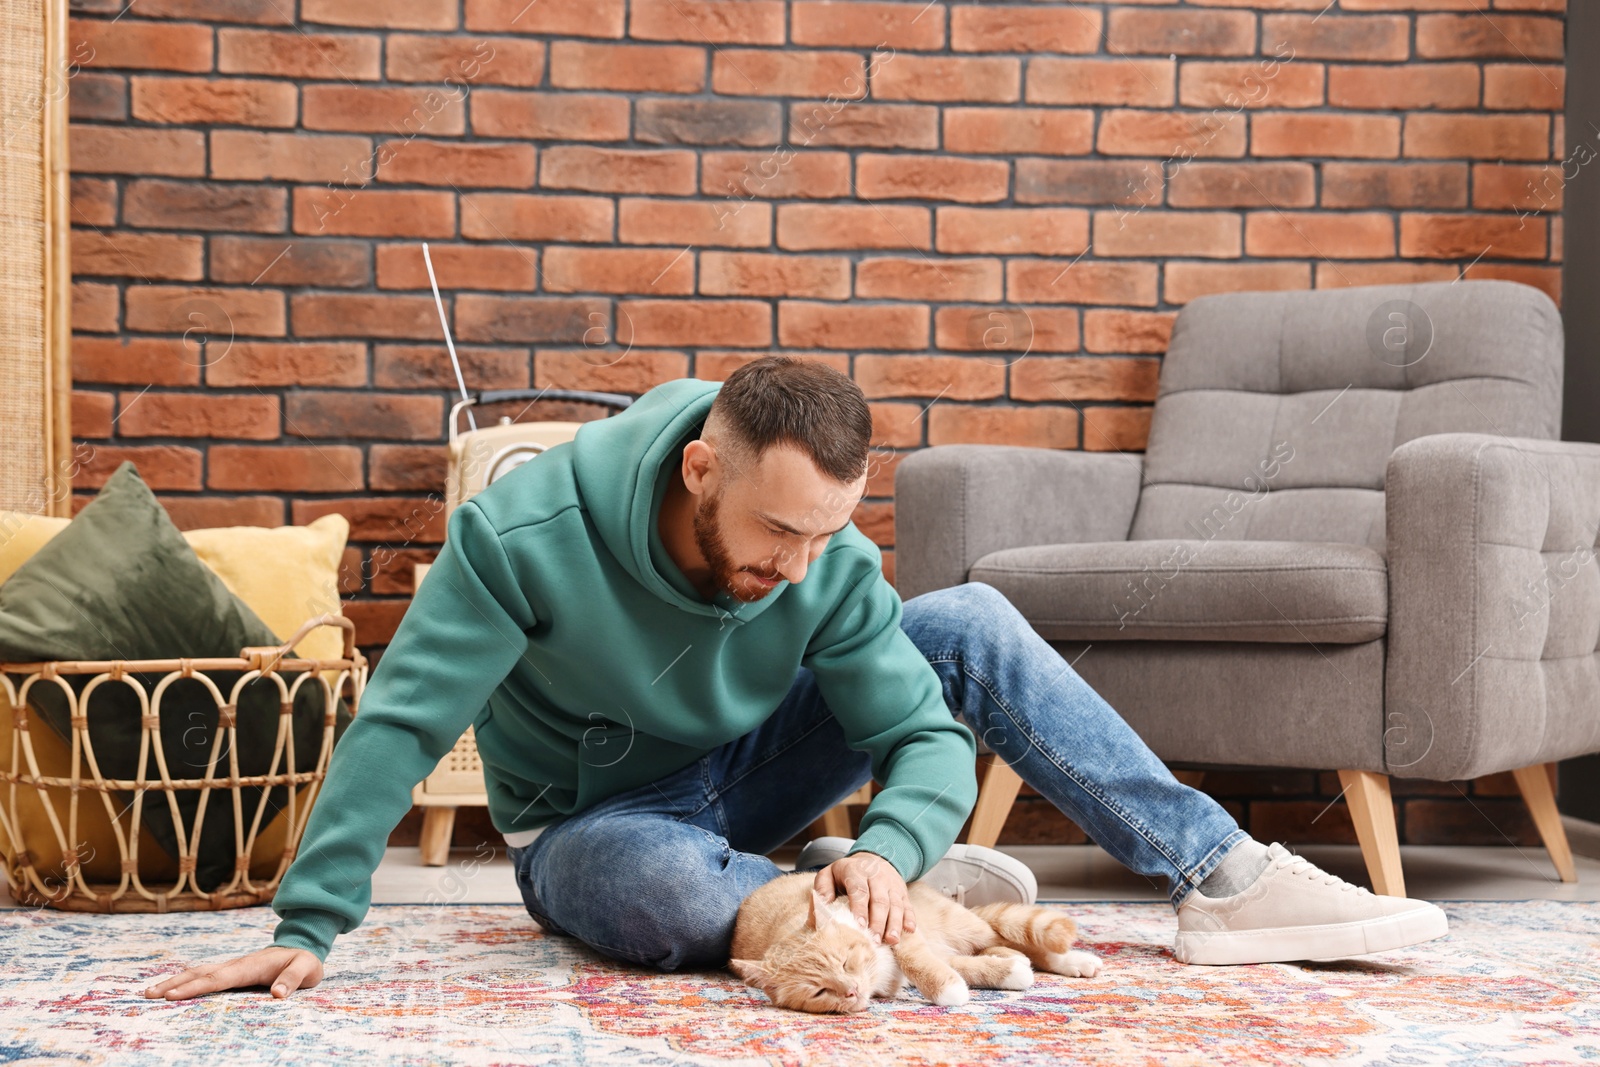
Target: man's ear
820	915
754	972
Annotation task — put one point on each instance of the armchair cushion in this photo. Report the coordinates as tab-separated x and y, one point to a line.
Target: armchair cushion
1280	591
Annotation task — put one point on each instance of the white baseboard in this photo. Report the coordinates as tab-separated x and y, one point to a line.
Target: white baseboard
1583	836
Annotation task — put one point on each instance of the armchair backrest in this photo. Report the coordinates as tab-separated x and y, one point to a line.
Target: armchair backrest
1276	412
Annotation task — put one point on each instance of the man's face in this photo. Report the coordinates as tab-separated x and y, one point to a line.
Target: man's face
770	524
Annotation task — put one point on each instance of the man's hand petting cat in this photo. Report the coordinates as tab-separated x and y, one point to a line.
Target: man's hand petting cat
876	892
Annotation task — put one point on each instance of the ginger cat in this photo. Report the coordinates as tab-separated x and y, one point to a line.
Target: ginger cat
811	955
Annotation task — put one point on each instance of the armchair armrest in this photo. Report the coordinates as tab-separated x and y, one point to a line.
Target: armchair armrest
957	503
1494	604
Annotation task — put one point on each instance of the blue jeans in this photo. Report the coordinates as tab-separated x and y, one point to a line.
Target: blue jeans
655	876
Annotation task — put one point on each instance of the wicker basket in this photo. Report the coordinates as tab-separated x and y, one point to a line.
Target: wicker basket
131	893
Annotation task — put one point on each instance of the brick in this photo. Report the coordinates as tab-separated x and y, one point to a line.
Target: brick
372	109
765	274
419	162
708	122
1333	275
808	227
1172	134
1012	231
1524	87
1018	131
1349	136
477	61
1126	331
260	12
1036	427
424	367
618	170
457	266
97	97
1319	236
865	125
1478	136
725	223
160	466
760	72
1447	85
284	468
1116	429
394	571
391	520
1081	281
136	150
658	271
363	315
803	324
1546	278
629	68
549	116
986	28
1243	185
1483	822
1490	36
880	471
91	413
208	512
955	79
133	361
876	520
1129	82
527	217
93	200
1319	36
1084	378
946	377
374	212
223	101
866	24
1184	281
94	307
290	54
1250	85
252	417
523	319
1166	233
881	177
1184	33
1089	181
157	204
781	174
255	155
132	44
565	18
150	256
386	416
716	366
709	21
986	328
1471	236
637	371
939	280
1394	185
422	15
1508	187
400	467
281	261
376	622
721	323
217	311
248	363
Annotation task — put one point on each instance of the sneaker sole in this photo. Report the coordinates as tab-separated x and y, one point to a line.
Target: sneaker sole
1333	941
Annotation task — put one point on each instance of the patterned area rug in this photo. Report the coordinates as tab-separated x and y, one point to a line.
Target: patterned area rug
1514	983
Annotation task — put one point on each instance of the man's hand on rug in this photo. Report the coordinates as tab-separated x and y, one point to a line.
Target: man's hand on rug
876	892
284	969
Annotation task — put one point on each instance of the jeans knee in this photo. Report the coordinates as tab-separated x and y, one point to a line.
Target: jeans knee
959	613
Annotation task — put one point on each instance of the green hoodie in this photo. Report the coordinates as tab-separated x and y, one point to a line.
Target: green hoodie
555	624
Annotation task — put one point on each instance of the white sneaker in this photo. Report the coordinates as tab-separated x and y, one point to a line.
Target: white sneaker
1297	911
970	875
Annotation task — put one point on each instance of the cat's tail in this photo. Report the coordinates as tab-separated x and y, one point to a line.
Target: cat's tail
1030	927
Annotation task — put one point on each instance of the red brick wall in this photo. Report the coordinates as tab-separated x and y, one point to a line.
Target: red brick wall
616	195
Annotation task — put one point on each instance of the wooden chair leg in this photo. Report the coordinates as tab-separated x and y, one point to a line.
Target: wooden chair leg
995	797
836	820
1534	781
1372	811
438	823
1192	779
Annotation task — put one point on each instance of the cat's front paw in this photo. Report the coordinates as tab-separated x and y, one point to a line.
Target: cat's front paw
1074	964
955	992
1020	976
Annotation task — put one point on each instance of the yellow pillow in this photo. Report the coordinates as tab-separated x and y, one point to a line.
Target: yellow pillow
21	535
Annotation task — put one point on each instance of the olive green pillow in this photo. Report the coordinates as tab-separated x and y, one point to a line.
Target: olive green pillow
120	582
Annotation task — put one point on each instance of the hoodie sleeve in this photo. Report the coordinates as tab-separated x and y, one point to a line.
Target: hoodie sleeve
459	639
891	704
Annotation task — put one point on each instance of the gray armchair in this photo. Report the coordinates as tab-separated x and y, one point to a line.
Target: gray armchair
1352	543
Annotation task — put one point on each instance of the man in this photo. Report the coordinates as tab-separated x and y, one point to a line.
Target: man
676	652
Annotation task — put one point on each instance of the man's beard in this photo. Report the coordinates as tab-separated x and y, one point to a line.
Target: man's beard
708	537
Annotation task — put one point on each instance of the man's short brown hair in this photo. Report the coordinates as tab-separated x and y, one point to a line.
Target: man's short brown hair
799	402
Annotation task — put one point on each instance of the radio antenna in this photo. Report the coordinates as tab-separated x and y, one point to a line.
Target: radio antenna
454	360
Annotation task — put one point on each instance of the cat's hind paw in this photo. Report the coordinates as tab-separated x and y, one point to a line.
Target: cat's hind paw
1019	977
1074	964
955	992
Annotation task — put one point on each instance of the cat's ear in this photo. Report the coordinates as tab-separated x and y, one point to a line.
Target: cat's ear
820	915
754	972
